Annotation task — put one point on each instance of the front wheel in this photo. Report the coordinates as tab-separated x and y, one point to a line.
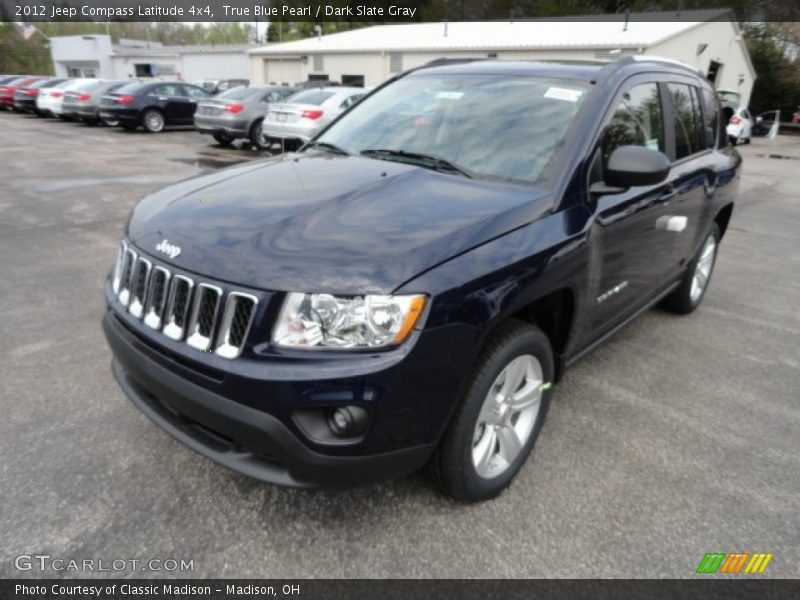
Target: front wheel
689	294
153	121
499	416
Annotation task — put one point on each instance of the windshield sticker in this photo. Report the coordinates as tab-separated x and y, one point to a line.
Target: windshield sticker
651	144
450	95
558	93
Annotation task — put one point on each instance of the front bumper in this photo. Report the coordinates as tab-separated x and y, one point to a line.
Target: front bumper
239	437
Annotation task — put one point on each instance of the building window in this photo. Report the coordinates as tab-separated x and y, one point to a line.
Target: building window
319	65
353	80
395	62
714	69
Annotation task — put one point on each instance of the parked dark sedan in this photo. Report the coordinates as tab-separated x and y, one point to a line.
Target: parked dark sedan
153	106
238	113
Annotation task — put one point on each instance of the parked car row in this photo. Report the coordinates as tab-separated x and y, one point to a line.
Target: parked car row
227	110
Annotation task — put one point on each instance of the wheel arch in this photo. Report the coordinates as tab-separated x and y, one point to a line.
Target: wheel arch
723	218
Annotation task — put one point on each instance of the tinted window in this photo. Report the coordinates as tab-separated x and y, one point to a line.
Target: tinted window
315	97
348	102
637	121
687	119
499	126
194	92
711	121
171	90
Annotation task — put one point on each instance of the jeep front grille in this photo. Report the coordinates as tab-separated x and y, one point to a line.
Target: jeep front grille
199	313
204	314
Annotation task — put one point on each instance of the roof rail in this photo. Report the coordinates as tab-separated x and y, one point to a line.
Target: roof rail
659	59
437	62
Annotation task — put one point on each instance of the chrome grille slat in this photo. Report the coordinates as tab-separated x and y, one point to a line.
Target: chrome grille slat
127	274
157	298
140	280
204	315
180	295
236	320
116	276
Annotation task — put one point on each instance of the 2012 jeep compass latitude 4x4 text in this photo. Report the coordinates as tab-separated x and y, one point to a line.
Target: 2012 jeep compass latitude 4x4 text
408	288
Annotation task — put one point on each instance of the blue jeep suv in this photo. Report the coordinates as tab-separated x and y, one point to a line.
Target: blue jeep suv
407	289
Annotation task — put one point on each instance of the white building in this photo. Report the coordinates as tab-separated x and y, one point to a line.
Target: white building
710	41
96	56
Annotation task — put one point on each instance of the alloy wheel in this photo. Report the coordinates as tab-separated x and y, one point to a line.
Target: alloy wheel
702	271
507	416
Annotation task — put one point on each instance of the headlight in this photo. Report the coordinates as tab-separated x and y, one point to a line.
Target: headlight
327	321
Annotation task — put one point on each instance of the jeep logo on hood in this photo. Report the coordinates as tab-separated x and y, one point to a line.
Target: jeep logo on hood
170	250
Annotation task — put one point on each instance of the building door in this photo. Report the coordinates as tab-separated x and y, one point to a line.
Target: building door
714	69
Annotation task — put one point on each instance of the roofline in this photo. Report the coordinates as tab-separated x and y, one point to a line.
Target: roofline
422	49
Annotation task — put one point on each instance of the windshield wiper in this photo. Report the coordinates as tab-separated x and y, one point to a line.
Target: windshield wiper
326	146
429	161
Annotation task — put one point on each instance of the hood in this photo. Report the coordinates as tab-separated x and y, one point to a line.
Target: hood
327	223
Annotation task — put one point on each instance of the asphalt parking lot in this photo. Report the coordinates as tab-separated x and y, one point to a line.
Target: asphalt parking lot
679	437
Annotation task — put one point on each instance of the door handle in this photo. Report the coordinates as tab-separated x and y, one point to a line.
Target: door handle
675	223
668	195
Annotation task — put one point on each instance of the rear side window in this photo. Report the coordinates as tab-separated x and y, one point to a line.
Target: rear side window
171	90
637	121
193	92
315	97
130	88
687	119
711	121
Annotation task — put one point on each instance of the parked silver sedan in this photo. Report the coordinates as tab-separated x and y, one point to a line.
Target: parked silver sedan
238	113
300	118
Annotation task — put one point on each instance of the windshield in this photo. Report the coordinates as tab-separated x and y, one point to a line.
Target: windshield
497	126
315	97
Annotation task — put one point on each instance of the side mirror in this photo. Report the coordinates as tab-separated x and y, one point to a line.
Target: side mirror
630	166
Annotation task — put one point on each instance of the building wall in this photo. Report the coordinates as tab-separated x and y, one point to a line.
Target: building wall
375	67
723	47
720	37
215	65
84	52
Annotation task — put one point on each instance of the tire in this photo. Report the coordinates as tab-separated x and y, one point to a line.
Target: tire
686	298
223	140
153	121
257	139
733	140
459	466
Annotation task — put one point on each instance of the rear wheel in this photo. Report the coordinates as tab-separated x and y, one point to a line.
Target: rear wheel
689	294
499	416
153	121
223	140
257	138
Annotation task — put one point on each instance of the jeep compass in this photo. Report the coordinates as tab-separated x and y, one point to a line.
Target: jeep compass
407	289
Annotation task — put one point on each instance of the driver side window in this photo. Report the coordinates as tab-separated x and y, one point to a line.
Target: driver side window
637	121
